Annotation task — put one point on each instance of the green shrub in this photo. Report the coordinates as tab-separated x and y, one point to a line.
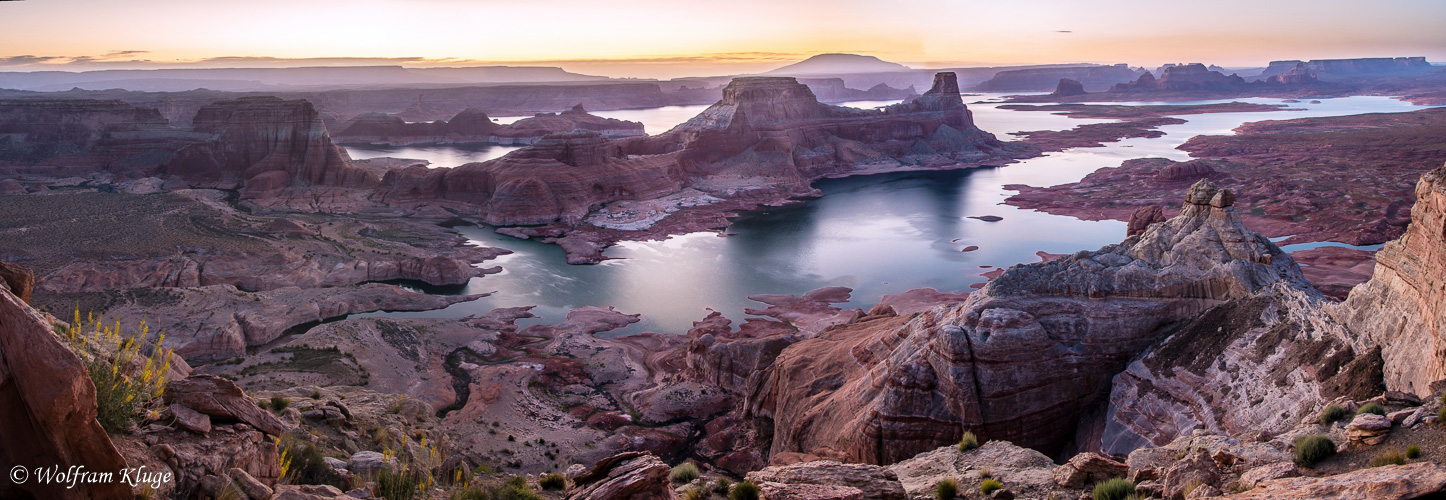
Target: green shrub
989	485
968	442
470	493
1313	448
552	481
1392	457
1332	413
396	485
1441	416
1114	489
307	465
744	491
517	489
279	403
694	493
946	489
1371	407
1413	452
684	473
722	485
315	394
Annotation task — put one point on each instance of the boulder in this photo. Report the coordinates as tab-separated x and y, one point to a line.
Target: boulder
1088	468
367	463
20	280
1028	472
1368	428
249	485
781	491
191	420
308	492
49	417
876	483
625	476
221	398
1263	473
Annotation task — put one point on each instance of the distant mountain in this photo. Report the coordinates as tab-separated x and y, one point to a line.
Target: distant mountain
838	64
270	79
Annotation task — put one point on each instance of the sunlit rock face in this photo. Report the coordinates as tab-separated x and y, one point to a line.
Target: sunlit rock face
1403	307
1024	357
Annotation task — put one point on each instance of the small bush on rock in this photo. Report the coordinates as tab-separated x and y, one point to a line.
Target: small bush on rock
946	489
745	491
989	485
968	442
1413	452
1332	413
279	403
1392	457
1371	407
552	481
722	486
695	493
1114	489
684	473
1313	448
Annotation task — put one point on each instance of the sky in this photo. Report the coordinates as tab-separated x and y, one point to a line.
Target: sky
672	38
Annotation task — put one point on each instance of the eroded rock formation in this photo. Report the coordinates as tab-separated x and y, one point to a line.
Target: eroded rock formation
473	126
265	145
1023	358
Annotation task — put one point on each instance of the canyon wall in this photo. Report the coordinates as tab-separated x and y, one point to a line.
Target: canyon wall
1403	307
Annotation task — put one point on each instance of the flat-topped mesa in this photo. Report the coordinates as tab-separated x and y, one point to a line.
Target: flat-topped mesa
559	178
474	126
265	144
86	133
1403	307
1023	358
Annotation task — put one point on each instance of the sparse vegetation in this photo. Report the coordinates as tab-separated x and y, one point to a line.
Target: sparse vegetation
989	486
1313	448
552	481
946	489
315	394
393	484
1332	414
695	493
1413	452
722	485
1372	407
1391	457
121	390
745	490
1114	489
986	473
305	463
517	489
1441	416
279	403
968	442
684	473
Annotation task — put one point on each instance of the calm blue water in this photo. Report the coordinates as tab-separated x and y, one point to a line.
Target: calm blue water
878	234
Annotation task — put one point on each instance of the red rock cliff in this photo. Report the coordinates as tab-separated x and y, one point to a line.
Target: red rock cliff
265	144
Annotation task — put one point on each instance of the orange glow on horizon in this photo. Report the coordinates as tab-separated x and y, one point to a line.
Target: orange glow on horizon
664	39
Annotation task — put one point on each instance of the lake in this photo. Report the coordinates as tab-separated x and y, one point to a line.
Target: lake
878	234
